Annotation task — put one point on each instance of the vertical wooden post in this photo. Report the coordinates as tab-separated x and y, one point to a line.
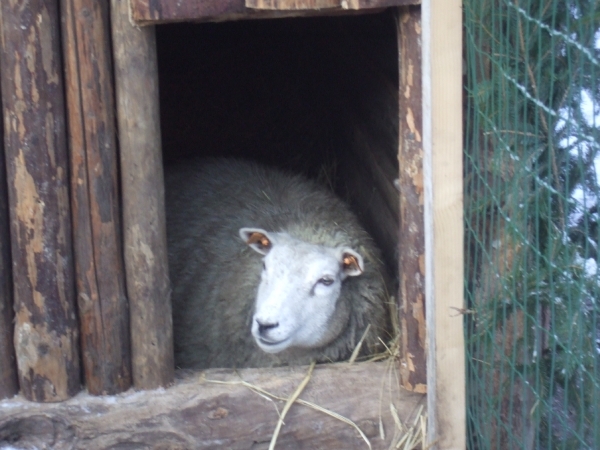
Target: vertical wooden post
8	365
46	336
136	80
442	143
411	261
103	309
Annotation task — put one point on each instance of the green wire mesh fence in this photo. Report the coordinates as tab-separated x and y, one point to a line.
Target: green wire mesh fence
532	168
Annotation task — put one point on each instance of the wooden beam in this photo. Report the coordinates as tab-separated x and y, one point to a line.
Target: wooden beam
201	415
103	309
442	142
369	4
411	259
146	12
142	187
8	366
46	334
292	4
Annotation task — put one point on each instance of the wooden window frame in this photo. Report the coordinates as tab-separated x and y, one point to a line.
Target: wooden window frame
431	200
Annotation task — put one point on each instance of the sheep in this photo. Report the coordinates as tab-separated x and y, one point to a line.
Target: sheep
267	268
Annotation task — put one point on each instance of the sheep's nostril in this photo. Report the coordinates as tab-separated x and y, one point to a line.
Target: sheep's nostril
264	327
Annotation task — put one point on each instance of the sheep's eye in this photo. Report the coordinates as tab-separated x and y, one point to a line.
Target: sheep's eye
326	281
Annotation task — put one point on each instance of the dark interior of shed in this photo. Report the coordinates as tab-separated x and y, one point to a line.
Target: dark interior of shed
314	95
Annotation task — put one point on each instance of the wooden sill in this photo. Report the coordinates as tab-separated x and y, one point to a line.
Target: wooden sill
194	413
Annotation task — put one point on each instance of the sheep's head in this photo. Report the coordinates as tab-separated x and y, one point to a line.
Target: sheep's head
297	300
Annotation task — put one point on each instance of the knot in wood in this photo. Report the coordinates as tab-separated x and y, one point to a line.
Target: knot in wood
217	414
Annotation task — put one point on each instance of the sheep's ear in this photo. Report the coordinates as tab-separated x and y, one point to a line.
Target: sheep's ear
352	263
259	240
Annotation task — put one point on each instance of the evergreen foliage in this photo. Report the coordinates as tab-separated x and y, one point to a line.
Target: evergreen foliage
532	161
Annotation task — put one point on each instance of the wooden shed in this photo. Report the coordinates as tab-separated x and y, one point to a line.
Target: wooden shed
97	96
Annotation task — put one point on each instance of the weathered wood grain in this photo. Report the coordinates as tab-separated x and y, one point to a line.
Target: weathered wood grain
444	227
46	336
196	414
103	309
411	259
8	365
145	12
367	4
292	4
142	188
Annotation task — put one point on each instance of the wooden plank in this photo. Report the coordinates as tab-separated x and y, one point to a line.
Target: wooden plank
8	366
368	4
46	336
411	259
142	188
146	12
103	309
201	415
324	4
292	4
442	143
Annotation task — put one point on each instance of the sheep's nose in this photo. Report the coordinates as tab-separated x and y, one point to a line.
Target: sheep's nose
264	327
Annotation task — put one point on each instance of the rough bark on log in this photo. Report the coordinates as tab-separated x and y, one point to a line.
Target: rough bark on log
46	336
8	366
103	309
145	12
202	415
413	370
145	241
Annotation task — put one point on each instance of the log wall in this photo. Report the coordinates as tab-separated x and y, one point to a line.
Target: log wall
144	227
46	333
102	302
8	365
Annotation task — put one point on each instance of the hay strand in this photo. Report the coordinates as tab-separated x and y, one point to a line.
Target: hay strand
414	436
263	393
358	346
288	405
405	436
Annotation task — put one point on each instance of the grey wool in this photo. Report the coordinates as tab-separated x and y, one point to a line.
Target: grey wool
267	268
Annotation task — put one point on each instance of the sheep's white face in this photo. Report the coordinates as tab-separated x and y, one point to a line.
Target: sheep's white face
297	300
